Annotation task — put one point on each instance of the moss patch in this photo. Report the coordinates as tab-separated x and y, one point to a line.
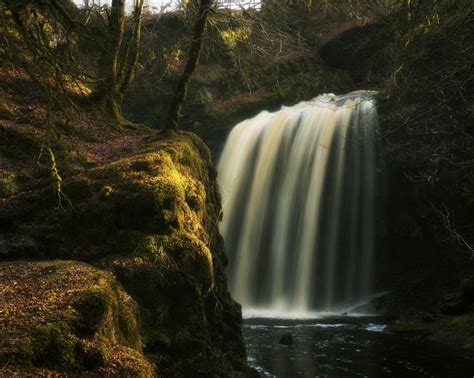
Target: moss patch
8	185
6	112
66	316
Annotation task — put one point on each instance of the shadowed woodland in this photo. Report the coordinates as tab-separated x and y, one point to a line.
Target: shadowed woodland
112	115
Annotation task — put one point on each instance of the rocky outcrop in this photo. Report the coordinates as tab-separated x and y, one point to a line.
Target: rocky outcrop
357	49
151	219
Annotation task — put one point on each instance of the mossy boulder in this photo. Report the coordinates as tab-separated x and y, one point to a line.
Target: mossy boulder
150	218
66	316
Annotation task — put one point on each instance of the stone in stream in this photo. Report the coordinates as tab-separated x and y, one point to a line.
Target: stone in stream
287	339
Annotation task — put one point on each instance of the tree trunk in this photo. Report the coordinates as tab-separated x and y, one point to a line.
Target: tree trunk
174	111
107	90
131	55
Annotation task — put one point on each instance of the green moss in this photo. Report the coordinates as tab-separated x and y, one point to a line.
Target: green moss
6	112
156	339
126	243
191	255
131	364
106	192
8	186
81	319
95	354
54	347
80	159
91	307
184	341
20	355
195	196
19	144
142	166
463	323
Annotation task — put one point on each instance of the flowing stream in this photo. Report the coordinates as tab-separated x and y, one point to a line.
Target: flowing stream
349	346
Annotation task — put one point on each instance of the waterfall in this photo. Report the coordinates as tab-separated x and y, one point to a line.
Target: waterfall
298	196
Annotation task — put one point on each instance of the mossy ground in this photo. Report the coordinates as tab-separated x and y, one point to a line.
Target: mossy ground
78	138
66	316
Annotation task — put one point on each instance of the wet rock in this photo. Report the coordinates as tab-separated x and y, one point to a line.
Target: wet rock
287	339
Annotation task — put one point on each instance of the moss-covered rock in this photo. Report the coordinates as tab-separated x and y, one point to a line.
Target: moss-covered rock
66	316
151	219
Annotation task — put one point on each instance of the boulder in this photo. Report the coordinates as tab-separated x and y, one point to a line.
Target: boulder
60	317
287	339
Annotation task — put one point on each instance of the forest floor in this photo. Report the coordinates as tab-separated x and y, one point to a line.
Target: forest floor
78	138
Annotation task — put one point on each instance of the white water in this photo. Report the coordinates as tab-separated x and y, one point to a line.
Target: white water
298	197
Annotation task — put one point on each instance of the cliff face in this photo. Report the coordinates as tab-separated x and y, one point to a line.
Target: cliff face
150	217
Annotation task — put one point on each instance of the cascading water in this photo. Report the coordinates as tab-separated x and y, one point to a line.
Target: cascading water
298	197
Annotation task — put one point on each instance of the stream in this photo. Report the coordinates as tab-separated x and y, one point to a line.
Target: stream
348	346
